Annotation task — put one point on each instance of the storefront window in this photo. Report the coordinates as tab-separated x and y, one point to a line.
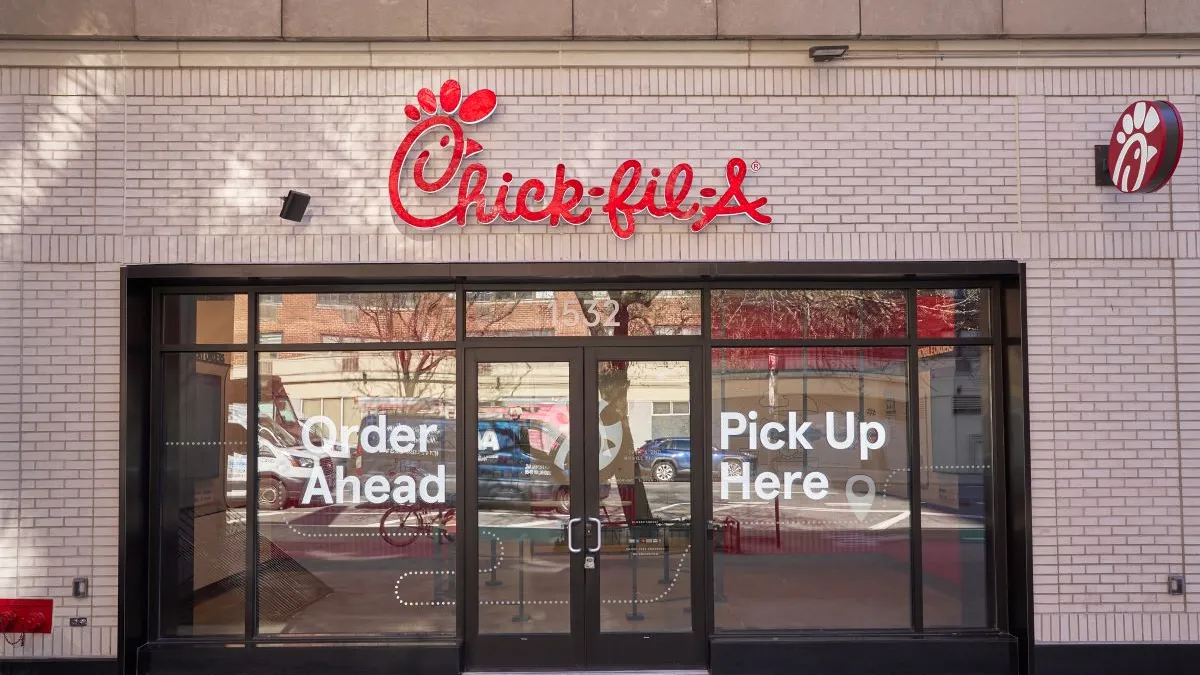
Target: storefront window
956	450
356	514
204	319
833	411
582	313
202	494
808	313
312	318
954	313
812	488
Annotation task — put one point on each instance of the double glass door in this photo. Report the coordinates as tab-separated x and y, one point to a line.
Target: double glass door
584	508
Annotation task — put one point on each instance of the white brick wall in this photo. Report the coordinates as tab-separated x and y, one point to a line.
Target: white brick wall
100	168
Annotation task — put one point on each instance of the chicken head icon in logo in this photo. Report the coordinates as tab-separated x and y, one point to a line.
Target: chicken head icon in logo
1145	146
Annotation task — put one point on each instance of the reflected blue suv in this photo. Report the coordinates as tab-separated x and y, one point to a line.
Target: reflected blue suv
669	459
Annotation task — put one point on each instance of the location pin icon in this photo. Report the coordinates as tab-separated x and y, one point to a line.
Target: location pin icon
860	503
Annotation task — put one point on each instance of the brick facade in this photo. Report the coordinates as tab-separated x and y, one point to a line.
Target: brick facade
103	168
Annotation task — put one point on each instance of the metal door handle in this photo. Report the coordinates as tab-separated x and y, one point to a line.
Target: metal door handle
598	528
571	535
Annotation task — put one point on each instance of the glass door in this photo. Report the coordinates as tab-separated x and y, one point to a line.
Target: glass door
524	508
645	531
583	515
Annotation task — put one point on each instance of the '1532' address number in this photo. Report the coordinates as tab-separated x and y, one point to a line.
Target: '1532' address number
594	312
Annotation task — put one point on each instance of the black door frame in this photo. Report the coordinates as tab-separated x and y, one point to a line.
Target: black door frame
585	645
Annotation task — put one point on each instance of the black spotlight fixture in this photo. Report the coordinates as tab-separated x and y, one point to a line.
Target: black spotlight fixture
823	53
1103	175
294	206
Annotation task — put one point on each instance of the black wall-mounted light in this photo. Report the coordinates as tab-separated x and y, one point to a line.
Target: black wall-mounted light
294	206
823	53
1103	175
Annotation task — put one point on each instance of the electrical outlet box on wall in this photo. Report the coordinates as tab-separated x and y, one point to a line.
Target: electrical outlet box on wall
26	615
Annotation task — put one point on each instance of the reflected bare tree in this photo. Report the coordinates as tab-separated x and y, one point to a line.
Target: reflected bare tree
638	312
810	313
418	318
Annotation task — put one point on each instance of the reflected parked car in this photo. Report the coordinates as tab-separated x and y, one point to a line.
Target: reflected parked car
521	462
284	466
670	459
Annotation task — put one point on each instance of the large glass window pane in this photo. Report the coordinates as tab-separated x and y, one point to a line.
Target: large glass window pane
523	497
204	319
645	551
582	313
808	313
312	318
356	521
202	494
956	312
956	466
811	491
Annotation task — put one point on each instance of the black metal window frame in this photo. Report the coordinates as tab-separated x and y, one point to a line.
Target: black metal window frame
144	287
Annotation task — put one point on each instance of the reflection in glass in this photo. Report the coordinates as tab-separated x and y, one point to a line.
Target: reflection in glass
583	313
356	521
204	319
954	313
645	550
808	313
814	529
202	495
339	318
524	497
956	451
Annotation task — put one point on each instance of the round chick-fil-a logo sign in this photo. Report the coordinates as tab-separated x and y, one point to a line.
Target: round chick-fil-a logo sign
1145	146
563	199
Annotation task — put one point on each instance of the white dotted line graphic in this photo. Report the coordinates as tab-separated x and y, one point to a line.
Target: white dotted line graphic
958	467
658	598
527	602
445	603
815	521
424	603
670	587
204	443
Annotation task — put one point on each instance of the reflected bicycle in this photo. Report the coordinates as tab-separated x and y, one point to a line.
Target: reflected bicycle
402	524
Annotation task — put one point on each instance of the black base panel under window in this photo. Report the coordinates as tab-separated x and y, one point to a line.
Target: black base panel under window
427	658
60	667
864	655
1122	658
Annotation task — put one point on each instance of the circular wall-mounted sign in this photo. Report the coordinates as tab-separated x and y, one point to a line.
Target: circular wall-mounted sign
1145	146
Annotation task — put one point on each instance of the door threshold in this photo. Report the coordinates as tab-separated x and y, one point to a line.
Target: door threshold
593	671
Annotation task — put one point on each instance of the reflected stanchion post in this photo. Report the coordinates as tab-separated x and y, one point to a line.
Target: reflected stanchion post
778	534
521	616
437	568
495	566
666	555
633	614
719	565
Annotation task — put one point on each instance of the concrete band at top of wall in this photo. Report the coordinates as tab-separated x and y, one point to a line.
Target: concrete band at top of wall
422	20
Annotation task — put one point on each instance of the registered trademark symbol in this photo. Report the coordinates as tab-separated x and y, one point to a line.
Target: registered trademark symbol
755	166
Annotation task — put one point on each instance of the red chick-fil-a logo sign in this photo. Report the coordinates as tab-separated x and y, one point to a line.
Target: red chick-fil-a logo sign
535	200
1145	147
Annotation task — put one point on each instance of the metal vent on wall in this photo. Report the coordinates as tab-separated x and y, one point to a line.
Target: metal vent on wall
965	403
